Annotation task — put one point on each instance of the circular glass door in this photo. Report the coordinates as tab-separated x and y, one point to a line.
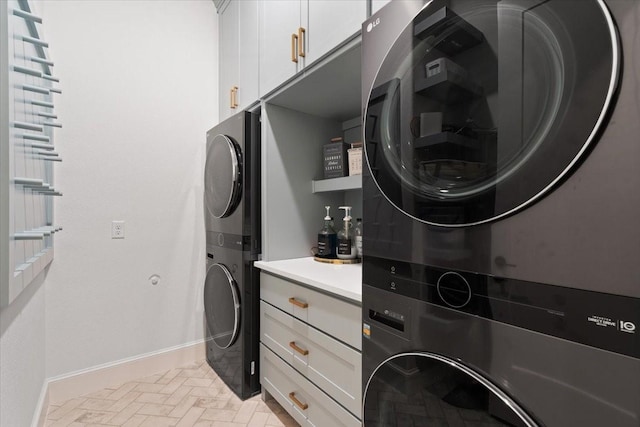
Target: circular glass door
223	179
425	389
221	306
481	108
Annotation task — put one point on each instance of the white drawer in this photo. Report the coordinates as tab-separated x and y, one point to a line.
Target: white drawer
334	316
285	384
331	365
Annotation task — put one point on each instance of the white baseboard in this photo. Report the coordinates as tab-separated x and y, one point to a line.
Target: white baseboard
40	414
79	383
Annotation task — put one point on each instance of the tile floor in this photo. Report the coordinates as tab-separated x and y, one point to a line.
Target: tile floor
189	396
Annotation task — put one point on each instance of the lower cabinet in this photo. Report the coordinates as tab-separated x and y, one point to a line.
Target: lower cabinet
314	375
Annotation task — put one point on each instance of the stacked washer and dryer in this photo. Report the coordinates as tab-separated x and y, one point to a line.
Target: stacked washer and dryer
501	277
232	219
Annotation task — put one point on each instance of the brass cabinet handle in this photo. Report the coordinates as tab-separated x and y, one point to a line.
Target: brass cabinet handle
299	404
301	33
300	304
294	41
302	351
234	97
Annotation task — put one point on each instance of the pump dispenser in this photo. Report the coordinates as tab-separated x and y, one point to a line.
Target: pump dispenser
357	231
327	238
346	241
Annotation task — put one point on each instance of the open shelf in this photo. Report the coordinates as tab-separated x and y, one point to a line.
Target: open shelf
352	182
448	32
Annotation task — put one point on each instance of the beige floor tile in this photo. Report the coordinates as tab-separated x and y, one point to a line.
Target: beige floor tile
259	419
218	415
183	407
126	413
198	382
65	409
96	404
149	388
245	412
151	379
101	394
69	418
95	417
178	395
155	410
123	402
191	373
135	421
205	392
152	398
122	390
173	385
226	424
159	422
166	378
185	397
211	403
191	417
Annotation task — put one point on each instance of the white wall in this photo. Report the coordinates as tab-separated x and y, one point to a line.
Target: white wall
139	84
139	91
22	355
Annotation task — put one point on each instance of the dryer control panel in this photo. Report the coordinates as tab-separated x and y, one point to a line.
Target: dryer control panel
606	321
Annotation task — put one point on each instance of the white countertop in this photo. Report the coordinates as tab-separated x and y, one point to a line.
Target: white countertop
344	280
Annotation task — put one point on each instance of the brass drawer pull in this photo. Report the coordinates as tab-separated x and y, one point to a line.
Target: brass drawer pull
294	50
299	404
302	351
300	304
301	34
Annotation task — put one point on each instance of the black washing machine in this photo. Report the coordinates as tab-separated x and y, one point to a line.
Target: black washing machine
232	218
500	202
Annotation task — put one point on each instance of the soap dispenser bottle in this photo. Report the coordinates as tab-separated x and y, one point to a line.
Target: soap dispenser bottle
327	238
346	241
357	231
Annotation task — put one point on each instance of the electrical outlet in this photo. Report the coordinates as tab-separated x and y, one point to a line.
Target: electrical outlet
117	229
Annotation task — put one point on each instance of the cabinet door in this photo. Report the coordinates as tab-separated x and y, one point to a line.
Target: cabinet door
228	61
248	59
280	19
330	23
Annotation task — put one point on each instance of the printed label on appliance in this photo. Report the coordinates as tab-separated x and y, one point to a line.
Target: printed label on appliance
602	321
366	331
606	322
626	326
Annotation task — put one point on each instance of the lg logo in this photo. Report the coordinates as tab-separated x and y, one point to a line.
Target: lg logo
627	326
373	24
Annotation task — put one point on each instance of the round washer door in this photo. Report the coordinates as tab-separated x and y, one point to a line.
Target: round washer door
222	176
425	389
481	107
221	306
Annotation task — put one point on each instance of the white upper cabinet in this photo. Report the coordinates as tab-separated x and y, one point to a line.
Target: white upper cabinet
331	22
279	58
238	73
295	33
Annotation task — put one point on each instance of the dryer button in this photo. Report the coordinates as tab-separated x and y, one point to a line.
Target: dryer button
220	239
454	289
